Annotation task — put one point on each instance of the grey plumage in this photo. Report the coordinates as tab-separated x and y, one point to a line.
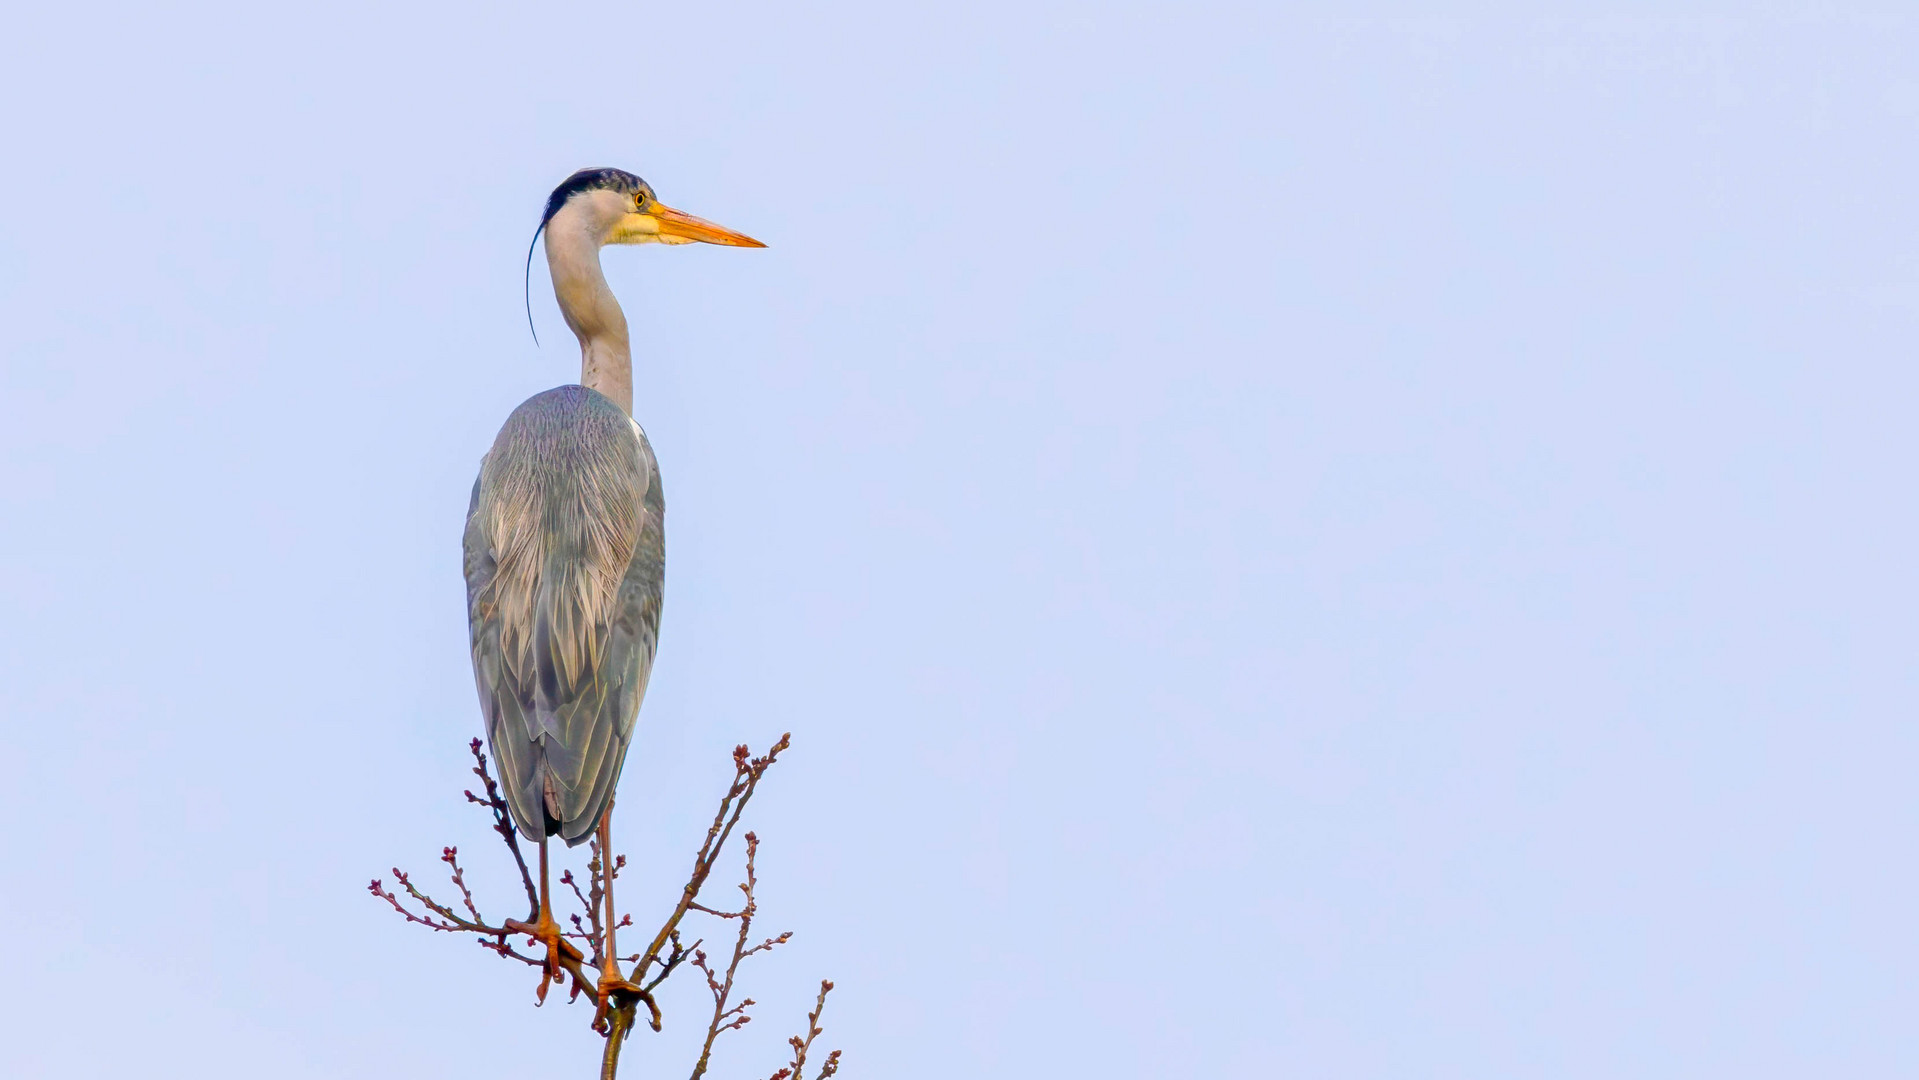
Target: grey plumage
565	556
565	553
565	562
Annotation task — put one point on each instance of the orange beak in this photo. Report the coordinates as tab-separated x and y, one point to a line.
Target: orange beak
679	227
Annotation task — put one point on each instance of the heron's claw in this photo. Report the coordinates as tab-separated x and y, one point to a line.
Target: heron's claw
615	991
560	953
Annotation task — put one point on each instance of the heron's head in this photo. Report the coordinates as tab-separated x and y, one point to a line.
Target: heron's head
614	206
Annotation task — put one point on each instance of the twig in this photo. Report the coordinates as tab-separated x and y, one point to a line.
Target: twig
667	965
734	1018
592	931
503	824
747	771
380	891
452	921
451	857
797	1070
616	1016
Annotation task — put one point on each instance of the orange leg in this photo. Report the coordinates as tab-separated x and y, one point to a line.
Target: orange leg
610	977
547	931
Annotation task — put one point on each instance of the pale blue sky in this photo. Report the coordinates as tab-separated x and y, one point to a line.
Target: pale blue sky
1289	543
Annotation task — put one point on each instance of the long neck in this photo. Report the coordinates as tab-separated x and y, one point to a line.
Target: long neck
606	358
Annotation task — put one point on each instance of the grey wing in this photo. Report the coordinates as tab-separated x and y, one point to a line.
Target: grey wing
602	720
502	707
560	734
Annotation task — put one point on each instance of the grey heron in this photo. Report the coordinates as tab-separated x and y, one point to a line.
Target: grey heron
565	551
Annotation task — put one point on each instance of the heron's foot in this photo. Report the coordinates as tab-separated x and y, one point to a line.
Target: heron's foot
615	992
560	953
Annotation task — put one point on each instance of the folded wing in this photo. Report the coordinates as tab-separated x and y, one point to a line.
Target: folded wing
564	561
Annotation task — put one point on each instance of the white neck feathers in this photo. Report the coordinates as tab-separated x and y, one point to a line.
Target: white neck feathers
573	256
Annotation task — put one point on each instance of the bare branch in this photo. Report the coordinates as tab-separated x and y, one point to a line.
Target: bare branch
503	823
797	1070
451	857
747	771
735	1017
379	890
615	1017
